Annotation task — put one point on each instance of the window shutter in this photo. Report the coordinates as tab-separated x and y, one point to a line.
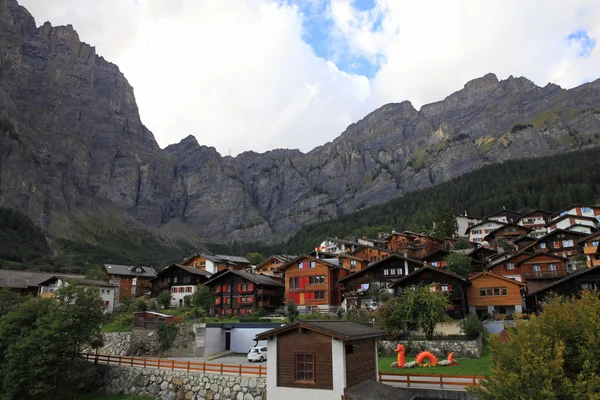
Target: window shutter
252	287
437	288
449	288
239	288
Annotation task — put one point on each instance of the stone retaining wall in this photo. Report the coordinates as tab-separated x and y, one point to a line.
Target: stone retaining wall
441	348
164	384
115	344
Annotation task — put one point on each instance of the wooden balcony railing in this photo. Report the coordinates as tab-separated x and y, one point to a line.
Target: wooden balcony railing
545	274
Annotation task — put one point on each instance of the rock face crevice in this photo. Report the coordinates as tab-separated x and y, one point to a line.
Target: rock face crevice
79	144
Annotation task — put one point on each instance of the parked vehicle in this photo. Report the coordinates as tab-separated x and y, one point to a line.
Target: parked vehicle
257	354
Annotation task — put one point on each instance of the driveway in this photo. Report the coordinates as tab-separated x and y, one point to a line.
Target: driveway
231	360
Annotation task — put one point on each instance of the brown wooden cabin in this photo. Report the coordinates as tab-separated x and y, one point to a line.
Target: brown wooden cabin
328	355
570	285
152	320
437	258
238	292
509	232
454	285
312	283
494	294
561	242
414	245
371	254
509	265
591	249
347	261
133	281
357	286
271	264
525	242
215	263
539	269
177	275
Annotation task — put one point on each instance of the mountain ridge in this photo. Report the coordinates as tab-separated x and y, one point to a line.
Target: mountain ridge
78	146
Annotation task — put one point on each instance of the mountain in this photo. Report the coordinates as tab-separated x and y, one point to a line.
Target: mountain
76	158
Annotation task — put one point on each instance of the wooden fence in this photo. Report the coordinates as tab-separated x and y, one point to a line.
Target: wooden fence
189	366
423	379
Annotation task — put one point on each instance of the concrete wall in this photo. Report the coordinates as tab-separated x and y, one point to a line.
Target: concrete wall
440	348
215	341
166	384
243	338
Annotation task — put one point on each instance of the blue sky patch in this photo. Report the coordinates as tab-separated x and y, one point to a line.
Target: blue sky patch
585	43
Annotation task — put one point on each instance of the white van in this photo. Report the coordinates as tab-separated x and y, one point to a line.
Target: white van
257	354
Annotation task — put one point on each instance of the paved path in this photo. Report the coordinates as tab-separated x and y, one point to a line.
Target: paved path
435	383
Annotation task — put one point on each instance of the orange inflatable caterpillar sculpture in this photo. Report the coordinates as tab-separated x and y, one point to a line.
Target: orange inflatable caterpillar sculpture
420	357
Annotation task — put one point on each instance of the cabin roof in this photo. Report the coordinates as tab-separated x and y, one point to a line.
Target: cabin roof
130	270
339	329
431	268
566	278
258	279
377	264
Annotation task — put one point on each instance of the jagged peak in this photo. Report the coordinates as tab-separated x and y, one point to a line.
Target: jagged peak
67	34
186	144
488	81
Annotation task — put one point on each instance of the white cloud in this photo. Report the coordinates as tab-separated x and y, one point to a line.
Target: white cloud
237	74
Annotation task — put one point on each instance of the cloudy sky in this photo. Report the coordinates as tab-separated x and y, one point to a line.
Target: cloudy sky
262	74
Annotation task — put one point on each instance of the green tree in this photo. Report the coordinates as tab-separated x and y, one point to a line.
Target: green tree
554	356
95	273
203	298
9	300
445	223
459	264
141	305
462	244
164	299
504	245
292	311
254	258
41	342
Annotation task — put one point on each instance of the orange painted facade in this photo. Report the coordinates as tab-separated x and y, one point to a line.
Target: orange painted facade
591	247
489	289
511	267
270	266
352	264
413	244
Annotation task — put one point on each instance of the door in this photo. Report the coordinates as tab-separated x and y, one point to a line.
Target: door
227	340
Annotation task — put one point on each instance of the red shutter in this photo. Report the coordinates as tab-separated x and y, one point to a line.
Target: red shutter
252	287
252	299
239	287
301	283
297	298
437	289
449	288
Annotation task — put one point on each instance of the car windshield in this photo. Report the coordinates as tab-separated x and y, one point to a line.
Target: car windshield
253	351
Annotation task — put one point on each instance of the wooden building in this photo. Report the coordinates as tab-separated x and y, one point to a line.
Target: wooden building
494	294
504	216
591	249
271	264
479	231
180	281
573	223
585	210
152	320
352	263
317	360
312	283
238	292
132	281
371	254
570	285
508	232
453	285
509	266
540	269
215	263
357	286
535	220
413	245
560	241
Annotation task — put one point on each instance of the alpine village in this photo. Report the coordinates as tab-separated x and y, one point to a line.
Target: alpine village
446	252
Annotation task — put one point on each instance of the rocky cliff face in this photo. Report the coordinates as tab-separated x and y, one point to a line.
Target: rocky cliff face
71	141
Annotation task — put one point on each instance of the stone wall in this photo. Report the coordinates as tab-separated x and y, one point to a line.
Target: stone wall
439	347
178	385
116	344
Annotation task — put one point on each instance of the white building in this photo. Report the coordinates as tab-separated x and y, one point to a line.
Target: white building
105	289
464	222
573	222
477	232
179	292
579	210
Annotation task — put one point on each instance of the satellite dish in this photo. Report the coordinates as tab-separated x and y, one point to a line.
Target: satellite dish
485	244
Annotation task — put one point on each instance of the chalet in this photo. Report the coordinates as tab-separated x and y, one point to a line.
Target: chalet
509	266
371	254
414	245
542	268
370	242
573	222
480	253
106	290
238	292
357	286
352	263
23	282
570	285
591	249
312	283
215	263
180	281
559	241
437	258
270	265
535	220
317	360
454	285
525	241
132	281
478	231
337	246
464	222
509	232
152	319
490	293
578	210
504	216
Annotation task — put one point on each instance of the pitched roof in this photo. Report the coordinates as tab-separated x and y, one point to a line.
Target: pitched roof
484	274
573	206
486	221
566	278
583	217
542	255
300	257
191	270
504	211
258	279
588	237
556	231
218	258
510	224
81	281
546	213
393	256
372	390
129	270
431	268
340	329
21	279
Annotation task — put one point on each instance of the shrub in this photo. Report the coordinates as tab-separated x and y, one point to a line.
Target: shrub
187	301
141	305
166	336
164	299
472	326
292	312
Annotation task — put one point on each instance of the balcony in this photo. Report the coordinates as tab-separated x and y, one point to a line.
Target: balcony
545	274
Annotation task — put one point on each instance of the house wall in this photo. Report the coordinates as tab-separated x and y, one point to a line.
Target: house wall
242	338
590	250
543	261
179	292
371	254
512	298
127	286
300	296
215	340
269	266
477	233
361	363
201	263
229	301
174	276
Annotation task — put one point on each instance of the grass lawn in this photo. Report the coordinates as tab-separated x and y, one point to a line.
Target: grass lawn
93	396
466	366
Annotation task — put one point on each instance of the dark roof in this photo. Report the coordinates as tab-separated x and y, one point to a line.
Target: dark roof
376	264
21	279
372	390
584	217
588	237
295	260
510	224
554	232
573	206
432	268
258	279
81	281
504	211
547	213
191	270
219	258
566	278
486	221
343	330
280	257
544	254
524	238
129	270
498	261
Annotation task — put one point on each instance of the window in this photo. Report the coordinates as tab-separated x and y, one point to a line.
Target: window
501	310
294	283
445	288
174	279
102	291
353	263
504	291
586	210
482	292
313	264
202	263
557	244
386	272
510	265
542	245
349	349
134	281
320	295
496	291
393	271
595	243
489	291
317	280
536	268
552	267
305	367
567	243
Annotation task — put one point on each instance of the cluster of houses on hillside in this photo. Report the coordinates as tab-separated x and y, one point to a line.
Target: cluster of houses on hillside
516	259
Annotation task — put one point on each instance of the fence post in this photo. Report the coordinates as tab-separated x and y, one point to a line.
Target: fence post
145	362
221	368
172	365
260	371
204	367
158	367
240	367
408	379
132	361
188	366
441	381
474	384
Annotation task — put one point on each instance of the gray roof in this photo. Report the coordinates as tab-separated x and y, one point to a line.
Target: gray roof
234	259
191	270
344	330
79	280
371	390
254	278
129	270
22	279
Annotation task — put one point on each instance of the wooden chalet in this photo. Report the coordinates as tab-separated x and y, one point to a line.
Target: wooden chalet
509	265
535	220
494	294
504	216
216	263
312	283
317	360
509	232
413	245
357	286
152	320
478	232
580	223
591	249
271	264
561	242
437	258
352	263
238	292
526	241
179	280
132	281
371	254
570	285
539	269
454	285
